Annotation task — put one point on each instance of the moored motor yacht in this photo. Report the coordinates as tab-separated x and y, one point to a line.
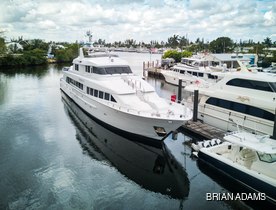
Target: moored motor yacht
188	75
104	86
247	99
203	68
248	158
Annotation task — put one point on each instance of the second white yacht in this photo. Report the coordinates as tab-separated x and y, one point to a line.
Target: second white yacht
240	98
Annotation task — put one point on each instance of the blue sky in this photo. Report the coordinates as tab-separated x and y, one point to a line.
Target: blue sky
142	20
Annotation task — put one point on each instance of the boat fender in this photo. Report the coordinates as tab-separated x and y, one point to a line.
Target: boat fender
218	141
213	142
200	144
206	144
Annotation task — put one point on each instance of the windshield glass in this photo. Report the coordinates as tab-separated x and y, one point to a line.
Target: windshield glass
269	158
273	86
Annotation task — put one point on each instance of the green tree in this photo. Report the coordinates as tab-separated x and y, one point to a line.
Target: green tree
176	55
67	54
34	44
221	45
186	54
3	47
183	41
173	41
267	42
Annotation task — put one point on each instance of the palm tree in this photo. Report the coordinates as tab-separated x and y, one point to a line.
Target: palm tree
183	41
267	42
173	41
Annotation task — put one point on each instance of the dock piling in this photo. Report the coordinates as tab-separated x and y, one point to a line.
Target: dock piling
195	110
179	90
274	127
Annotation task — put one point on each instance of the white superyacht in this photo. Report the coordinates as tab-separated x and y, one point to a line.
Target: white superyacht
104	86
244	98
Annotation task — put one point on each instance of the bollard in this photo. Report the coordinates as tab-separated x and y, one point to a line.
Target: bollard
195	105
274	127
179	90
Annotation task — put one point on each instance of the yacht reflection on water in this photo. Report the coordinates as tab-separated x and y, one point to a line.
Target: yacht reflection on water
144	162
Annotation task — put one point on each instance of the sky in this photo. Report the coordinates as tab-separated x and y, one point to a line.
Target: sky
141	20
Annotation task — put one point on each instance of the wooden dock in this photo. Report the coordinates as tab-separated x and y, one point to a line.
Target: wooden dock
202	130
155	73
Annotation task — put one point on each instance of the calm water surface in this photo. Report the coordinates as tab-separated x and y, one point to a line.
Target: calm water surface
52	156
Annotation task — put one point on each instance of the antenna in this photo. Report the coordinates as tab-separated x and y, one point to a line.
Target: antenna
89	34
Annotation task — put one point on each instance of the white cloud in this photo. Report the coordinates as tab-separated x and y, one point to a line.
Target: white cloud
270	18
139	19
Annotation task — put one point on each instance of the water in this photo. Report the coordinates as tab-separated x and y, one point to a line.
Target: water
52	156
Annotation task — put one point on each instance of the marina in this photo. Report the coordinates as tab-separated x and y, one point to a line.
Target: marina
63	158
137	105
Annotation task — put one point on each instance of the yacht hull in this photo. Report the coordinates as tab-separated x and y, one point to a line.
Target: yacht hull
174	79
251	182
118	121
227	120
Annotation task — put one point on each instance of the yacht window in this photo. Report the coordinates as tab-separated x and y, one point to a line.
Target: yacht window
87	90
101	94
239	107
273	86
106	96
98	70
195	73
242	108
118	70
76	67
87	69
200	74
182	71
113	99
256	112
210	76
269	158
75	83
91	91
251	84
212	101
224	103
268	115
110	71
96	93
127	69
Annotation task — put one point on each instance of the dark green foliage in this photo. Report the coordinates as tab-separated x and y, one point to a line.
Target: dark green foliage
34	44
67	54
266	61
222	45
2	46
32	57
